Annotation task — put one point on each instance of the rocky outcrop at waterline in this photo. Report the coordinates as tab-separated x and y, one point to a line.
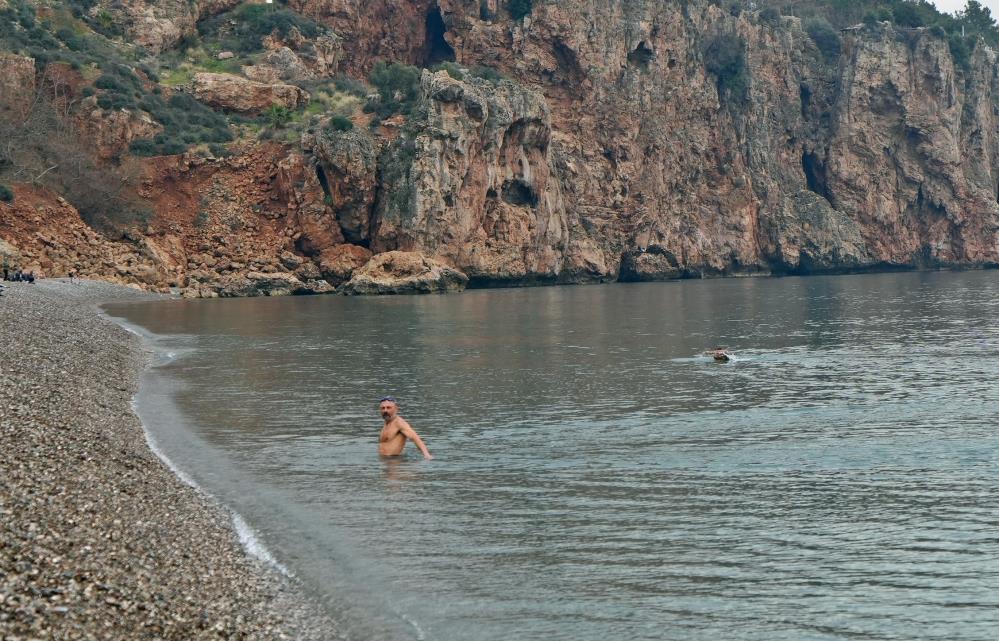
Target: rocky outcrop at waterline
610	141
397	272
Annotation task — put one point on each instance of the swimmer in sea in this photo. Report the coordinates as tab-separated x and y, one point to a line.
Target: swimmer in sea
396	431
720	354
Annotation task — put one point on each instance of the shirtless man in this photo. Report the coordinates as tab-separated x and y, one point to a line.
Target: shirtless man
393	438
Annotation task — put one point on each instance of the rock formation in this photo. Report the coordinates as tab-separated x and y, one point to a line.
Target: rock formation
613	147
233	93
398	272
634	163
158	25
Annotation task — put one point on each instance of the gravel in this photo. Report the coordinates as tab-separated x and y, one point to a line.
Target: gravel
98	539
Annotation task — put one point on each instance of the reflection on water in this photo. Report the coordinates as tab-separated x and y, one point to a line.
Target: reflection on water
597	477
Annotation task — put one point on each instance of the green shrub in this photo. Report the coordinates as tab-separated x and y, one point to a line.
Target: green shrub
725	59
454	70
959	51
351	86
486	73
519	9
244	28
219	150
144	147
278	116
770	16
907	14
6	194
398	88
340	123
825	37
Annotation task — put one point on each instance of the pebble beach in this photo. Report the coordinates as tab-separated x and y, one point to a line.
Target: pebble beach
98	538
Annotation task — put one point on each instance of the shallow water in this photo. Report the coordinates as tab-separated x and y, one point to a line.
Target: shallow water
595	477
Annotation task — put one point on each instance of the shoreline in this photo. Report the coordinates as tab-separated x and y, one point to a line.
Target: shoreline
99	537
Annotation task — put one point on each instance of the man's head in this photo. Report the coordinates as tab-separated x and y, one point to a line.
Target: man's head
388	407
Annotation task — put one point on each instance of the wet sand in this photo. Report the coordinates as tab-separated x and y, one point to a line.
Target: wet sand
98	538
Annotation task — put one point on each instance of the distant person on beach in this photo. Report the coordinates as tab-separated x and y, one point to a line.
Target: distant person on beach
396	431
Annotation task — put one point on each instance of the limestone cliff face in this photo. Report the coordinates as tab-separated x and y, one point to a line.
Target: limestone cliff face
475	183
628	161
609	150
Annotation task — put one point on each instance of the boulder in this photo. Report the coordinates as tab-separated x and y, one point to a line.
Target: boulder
232	93
279	64
399	272
337	264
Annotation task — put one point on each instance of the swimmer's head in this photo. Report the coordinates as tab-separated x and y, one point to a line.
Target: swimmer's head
388	406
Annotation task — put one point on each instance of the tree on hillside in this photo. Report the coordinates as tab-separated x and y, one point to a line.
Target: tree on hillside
977	18
41	145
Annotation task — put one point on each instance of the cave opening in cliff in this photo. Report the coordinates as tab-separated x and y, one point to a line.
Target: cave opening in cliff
806	99
518	192
435	48
323	182
815	174
641	56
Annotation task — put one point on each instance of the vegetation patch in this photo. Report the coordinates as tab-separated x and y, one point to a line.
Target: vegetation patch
398	88
725	59
519	9
825	38
340	123
6	194
961	30
244	28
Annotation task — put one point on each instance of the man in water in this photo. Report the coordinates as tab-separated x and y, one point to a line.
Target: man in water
719	354
393	438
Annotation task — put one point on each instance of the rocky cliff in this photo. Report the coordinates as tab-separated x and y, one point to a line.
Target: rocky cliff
616	143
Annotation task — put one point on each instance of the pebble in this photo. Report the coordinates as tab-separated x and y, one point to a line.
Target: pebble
98	539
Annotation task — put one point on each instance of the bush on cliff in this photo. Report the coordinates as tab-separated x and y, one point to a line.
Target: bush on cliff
244	28
725	59
6	194
959	51
519	9
398	88
825	38
340	123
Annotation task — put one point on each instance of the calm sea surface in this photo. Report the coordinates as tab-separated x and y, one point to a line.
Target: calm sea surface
595	478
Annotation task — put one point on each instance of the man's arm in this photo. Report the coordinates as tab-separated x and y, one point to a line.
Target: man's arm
408	431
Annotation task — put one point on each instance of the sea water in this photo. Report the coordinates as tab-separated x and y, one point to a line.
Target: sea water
595	475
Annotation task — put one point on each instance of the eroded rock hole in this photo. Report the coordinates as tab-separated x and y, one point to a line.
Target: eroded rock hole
806	99
323	181
518	192
436	48
568	62
641	56
815	174
304	246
